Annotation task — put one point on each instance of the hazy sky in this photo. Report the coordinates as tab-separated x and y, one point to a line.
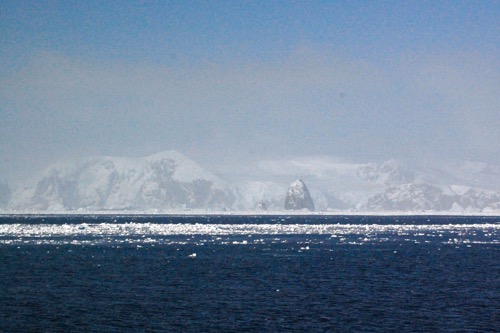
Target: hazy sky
223	81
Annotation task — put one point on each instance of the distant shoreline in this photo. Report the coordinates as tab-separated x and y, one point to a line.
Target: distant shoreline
246	213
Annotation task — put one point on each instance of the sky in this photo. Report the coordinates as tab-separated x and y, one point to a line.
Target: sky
231	82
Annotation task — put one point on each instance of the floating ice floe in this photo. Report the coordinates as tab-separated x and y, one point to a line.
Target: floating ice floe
147	229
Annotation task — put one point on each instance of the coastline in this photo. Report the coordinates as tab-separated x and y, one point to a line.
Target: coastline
198	213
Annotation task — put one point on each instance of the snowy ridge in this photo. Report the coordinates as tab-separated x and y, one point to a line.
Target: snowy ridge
165	180
391	186
169	182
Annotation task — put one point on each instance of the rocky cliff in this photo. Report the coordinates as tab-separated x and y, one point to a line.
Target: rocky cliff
298	197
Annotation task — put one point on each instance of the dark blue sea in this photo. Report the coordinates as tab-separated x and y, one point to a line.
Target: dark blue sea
124	273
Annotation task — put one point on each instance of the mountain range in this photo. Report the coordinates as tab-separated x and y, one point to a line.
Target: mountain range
171	182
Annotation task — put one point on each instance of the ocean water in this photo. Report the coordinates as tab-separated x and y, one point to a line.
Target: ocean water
110	273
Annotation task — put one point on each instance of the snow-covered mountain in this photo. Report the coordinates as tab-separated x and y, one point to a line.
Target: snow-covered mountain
166	180
169	181
411	196
428	197
342	185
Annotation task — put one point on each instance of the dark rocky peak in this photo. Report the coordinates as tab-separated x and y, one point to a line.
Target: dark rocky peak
298	197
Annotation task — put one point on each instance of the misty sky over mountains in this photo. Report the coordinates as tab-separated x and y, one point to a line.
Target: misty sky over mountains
226	82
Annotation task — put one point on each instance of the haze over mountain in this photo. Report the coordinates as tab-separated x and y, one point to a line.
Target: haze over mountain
258	92
171	182
229	83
